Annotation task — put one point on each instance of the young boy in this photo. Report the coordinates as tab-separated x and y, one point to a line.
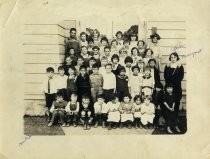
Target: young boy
96	82
91	62
96	55
80	62
83	41
104	61
72	110
86	112
49	88
107	53
83	83
58	110
85	55
109	84
68	63
100	110
61	82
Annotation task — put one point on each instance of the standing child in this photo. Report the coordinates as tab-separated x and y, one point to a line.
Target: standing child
122	84
114	47
147	84
104	61
133	40
128	63
58	110
155	73
104	43
141	48
168	109
122	56
126	47
83	41
147	112
126	109
119	38
71	82
80	62
91	62
148	56
83	83
135	55
113	112
72	110
100	110
90	44
49	89
107	53
68	63
141	66
86	112
115	64
96	55
96	82
137	113
109	83
61	82
85	55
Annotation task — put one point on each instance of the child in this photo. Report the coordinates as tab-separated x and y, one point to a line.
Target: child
126	47
135	55
104	61
137	113
83	83
83	41
141	48
61	82
91	62
71	82
133	40
80	62
49	89
90	44
86	112
147	112
107	53
96	38
135	80
58	110
155	73
148	56
96	82
85	55
100	110
96	55
115	64
126	109
114	47
122	84
168	109
147	84
72	110
113	112
128	63
68	63
141	66
122	56
104	43
109	83
119	38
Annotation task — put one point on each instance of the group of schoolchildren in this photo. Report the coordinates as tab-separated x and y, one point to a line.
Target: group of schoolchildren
113	84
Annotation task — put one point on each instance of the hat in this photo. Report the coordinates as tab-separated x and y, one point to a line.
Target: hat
155	35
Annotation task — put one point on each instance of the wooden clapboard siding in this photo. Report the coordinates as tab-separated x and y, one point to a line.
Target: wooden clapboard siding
43	58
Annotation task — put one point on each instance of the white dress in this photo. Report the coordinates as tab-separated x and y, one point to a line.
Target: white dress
135	82
137	113
113	112
149	113
126	112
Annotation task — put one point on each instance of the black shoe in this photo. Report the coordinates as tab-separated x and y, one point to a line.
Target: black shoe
109	126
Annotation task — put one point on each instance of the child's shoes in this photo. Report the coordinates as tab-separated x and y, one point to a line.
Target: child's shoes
177	129
96	124
74	124
50	124
103	124
88	127
110	126
85	127
67	125
63	125
169	130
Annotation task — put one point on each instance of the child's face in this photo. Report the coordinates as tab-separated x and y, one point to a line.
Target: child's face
140	44
80	61
104	62
133	38
83	71
104	42
123	54
173	58
95	70
126	99
85	101
138	101
152	64
83	37
154	40
95	34
91	62
100	100
84	50
114	101
71	51
119	36
114	43
126	44
61	72
95	51
90	44
135	71
149	53
50	74
71	72
128	64
135	52
147	72
68	61
108	69
141	65
146	101
169	89
115	61
73	98
122	73
59	98
107	52
73	34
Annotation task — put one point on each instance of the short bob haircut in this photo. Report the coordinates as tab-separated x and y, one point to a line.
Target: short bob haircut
72	29
137	97
128	59
115	56
133	49
127	95
95	47
141	41
148	97
148	50
114	40
126	41
136	68
50	69
175	54
119	32
104	39
96	30
152	60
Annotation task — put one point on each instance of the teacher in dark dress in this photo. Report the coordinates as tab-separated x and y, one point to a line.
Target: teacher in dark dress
174	74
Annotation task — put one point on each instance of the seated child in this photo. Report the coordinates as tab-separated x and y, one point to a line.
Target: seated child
72	110
71	82
135	80
100	110
86	112
126	109
115	64
113	112
168	109
58	110
96	82
137	113
147	112
61	82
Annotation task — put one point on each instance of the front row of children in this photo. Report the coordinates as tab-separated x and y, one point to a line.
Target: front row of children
129	112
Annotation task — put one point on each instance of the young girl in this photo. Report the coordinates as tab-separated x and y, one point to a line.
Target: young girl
68	63
80	62
135	55
141	66
126	47
104	43
83	39
126	109
128	63
148	56
168	109
114	47
141	48
86	112
147	84
96	38
147	112
71	82
122	84
135	80
137	113
119	38
122	56
72	110
113	112
133	40
91	62
90	44
155	73
115	64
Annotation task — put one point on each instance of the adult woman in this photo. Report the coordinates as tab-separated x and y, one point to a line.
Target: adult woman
96	38
174	74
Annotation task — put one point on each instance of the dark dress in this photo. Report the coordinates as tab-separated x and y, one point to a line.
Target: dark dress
175	76
121	87
71	87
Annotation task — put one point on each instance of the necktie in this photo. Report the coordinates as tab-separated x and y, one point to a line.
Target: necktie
49	85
